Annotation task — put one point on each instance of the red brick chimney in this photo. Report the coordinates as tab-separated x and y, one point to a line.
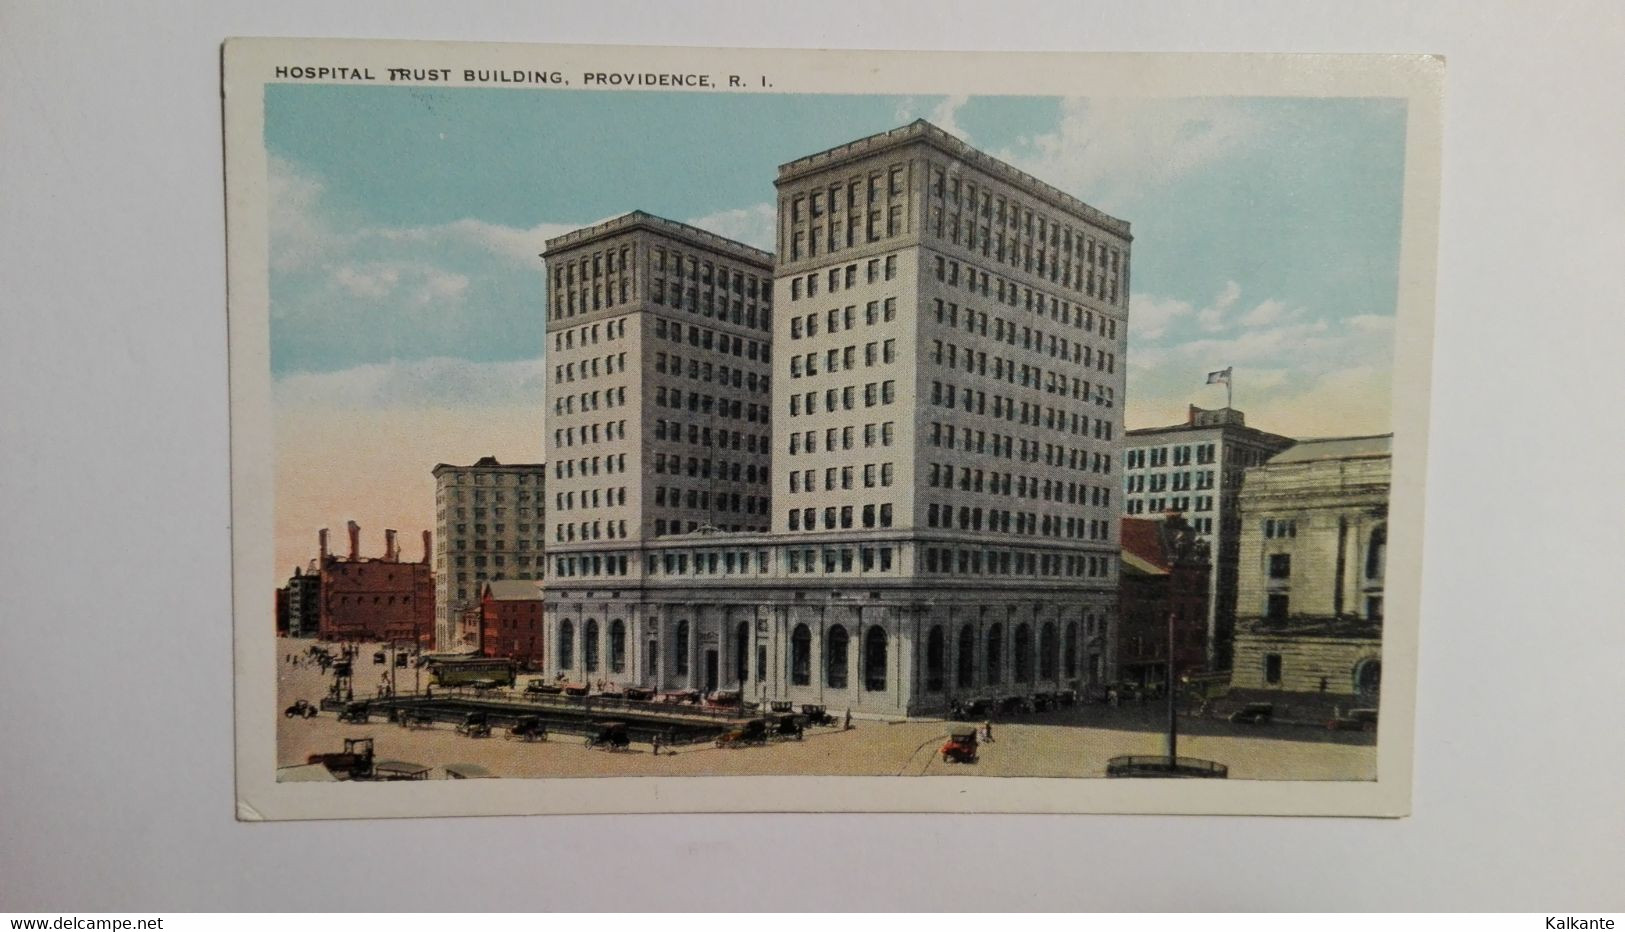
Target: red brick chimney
390	553
355	540
428	550
321	536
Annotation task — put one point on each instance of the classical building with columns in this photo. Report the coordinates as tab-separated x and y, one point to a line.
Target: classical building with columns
927	490
1314	540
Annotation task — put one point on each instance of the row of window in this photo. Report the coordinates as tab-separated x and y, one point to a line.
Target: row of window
965	561
1081	354
1009	233
839	319
701	500
1180	503
590	368
673	464
838	359
589	433
951	436
844	399
589	334
481	513
704	372
840	517
603	279
566	532
591	564
705	403
589	466
590	498
708	339
1024	523
941	475
877	269
480	544
994	287
1141	457
841	477
590	401
738	312
504	478
704	436
852	220
841	438
1177	481
1025	413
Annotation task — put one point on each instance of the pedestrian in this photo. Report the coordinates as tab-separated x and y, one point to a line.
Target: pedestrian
848	725
656	751
987	731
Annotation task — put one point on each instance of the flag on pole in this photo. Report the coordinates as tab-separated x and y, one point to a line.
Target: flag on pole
1223	375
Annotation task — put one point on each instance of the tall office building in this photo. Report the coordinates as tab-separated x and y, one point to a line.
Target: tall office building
659	369
946	375
1196	469
489	521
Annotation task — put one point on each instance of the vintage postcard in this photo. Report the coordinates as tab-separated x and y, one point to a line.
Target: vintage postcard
680	429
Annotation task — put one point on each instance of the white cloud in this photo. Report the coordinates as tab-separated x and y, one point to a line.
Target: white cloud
946	115
752	225
439	382
1267	313
1110	150
1153	316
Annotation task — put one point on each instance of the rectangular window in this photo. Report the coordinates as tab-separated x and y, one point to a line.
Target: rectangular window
1272	669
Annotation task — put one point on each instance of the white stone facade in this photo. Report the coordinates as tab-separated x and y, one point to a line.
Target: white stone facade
941	375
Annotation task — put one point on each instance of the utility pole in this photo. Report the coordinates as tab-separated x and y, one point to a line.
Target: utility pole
1173	707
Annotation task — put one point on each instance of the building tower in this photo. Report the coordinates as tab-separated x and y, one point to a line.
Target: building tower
1196	469
489	520
658	355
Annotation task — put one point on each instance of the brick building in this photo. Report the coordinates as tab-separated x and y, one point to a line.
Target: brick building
1313	545
511	621
375	598
1165	572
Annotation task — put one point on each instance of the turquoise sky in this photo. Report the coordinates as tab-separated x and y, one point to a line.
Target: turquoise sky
405	220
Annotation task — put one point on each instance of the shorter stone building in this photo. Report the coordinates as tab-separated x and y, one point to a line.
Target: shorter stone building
1165	573
488	525
511	621
376	599
1310	588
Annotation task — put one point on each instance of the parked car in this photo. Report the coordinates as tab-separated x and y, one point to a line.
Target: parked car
1254	713
1354	720
961	746
300	709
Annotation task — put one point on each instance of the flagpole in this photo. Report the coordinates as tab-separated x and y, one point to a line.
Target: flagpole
1229	387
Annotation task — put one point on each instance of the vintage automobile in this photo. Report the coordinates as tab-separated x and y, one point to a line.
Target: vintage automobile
355	761
475	725
961	746
1066	697
543	688
1012	705
1254	713
1354	720
528	728
723	699
681	697
1043	702
780	705
355	712
413	718
400	770
817	715
577	689
300	709
788	726
612	736
751	732
639	693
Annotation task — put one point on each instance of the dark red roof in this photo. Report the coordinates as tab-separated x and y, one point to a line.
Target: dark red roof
1142	537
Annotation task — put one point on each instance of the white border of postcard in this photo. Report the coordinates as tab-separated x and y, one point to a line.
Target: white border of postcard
249	65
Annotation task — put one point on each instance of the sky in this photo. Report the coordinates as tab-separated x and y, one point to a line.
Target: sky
407	296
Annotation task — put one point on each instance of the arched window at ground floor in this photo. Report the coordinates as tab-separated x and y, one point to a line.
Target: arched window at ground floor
800	656
874	659
967	656
936	647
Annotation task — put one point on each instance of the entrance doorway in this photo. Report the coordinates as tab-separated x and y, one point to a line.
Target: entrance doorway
711	662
